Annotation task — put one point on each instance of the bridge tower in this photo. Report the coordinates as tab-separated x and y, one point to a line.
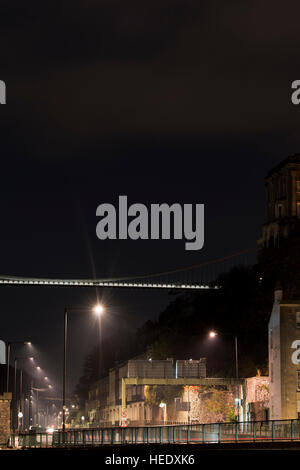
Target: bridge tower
279	264
279	247
282	186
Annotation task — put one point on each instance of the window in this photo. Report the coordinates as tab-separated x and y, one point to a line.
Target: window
272	377
298	379
279	211
297	319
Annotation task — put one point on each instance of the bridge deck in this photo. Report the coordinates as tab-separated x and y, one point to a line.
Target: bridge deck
22	281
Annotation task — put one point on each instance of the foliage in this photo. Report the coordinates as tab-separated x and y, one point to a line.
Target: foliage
218	403
156	394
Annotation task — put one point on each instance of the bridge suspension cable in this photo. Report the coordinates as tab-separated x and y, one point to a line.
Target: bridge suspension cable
144	281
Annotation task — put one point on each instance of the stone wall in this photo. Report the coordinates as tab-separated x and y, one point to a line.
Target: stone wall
5	400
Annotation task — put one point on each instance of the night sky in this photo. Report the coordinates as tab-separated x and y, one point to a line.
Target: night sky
170	101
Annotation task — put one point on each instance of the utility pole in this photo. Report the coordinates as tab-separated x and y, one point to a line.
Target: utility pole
30	406
21	401
7	368
65	370
237	377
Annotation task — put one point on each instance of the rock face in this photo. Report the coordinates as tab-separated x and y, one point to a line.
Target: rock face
5	401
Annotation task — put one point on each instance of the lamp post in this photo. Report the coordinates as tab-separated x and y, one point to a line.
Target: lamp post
37	408
16	409
164	410
98	310
65	370
30	406
9	344
38	412
20	408
213	334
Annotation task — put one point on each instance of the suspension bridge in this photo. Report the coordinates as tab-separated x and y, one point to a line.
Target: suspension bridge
200	276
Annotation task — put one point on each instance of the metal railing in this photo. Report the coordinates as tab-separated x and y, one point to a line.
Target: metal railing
258	431
36	440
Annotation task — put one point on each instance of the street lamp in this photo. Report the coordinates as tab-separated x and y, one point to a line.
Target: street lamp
164	408
98	310
9	344
20	416
213	334
15	401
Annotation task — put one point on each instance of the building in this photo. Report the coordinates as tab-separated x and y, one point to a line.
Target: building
282	186
284	358
257	398
278	253
104	405
279	264
5	424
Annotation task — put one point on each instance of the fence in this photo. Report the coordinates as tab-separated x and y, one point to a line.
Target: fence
286	430
32	440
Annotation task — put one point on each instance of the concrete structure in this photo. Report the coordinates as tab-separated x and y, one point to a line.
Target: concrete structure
149	368
284	359
191	368
5	401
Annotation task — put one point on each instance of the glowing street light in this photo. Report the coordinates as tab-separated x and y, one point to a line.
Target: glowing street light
98	309
212	334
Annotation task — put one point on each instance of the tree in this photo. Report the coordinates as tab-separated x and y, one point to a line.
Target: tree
156	394
218	403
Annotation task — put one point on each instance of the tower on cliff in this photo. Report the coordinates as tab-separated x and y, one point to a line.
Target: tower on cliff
279	247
